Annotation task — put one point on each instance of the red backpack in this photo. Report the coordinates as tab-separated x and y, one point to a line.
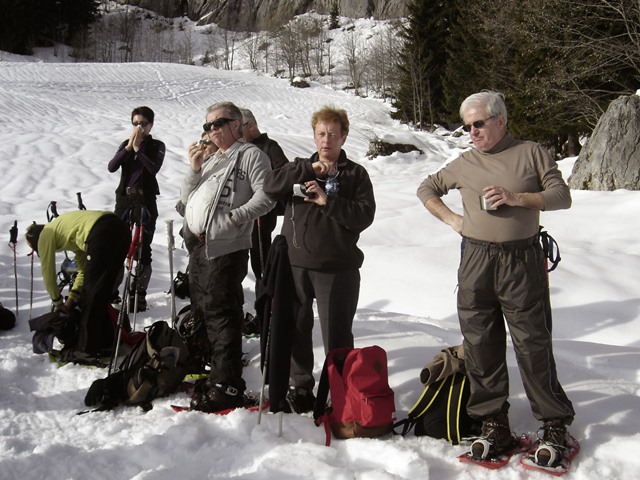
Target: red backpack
362	403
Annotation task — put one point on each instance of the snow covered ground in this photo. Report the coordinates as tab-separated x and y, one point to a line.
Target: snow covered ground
59	126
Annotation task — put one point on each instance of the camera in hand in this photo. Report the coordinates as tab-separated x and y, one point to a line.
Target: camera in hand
202	144
300	190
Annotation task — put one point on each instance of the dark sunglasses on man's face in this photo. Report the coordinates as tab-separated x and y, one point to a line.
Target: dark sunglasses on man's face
142	124
477	124
216	124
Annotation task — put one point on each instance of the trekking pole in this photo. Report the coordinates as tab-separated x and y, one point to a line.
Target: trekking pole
260	248
31	287
13	240
125	299
137	245
80	204
121	314
265	364
171	246
258	291
267	345
264	382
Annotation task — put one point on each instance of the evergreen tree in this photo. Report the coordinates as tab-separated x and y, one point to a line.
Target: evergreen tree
589	53
16	26
420	96
334	15
28	23
463	73
558	62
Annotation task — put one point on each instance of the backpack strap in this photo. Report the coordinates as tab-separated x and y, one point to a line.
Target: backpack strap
454	409
425	401
320	410
323	393
320	413
550	249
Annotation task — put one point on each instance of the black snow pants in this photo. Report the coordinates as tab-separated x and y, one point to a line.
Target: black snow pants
107	246
216	292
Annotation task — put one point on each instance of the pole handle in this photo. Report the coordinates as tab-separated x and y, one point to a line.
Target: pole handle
80	204
52	211
170	238
13	233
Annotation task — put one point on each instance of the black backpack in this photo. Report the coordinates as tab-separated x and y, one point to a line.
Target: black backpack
441	411
155	367
7	318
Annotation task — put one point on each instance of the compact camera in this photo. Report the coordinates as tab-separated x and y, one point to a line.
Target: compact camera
486	205
300	190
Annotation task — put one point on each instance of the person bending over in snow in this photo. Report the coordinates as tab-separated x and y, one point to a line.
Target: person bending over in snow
99	241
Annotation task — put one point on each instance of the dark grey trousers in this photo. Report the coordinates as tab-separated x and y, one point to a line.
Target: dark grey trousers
508	281
336	294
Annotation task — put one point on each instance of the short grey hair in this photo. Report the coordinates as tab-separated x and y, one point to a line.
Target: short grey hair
492	103
232	111
247	116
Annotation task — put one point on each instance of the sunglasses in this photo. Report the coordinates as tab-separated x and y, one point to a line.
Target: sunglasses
142	124
216	124
477	124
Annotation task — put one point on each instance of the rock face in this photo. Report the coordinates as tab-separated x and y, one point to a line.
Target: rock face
260	15
611	158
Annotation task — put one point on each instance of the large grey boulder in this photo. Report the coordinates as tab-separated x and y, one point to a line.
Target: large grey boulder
611	158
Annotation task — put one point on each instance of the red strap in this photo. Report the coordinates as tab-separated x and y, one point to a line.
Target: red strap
327	429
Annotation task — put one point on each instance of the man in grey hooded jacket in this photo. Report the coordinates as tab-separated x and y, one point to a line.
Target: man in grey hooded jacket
224	196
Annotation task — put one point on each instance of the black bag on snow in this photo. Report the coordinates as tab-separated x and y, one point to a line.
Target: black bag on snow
7	318
49	326
441	411
155	367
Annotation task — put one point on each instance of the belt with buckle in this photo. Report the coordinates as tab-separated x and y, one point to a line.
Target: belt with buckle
134	191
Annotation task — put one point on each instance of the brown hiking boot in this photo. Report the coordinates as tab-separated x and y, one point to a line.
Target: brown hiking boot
495	438
553	441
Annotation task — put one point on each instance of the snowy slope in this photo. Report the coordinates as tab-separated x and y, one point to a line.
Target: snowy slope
59	126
